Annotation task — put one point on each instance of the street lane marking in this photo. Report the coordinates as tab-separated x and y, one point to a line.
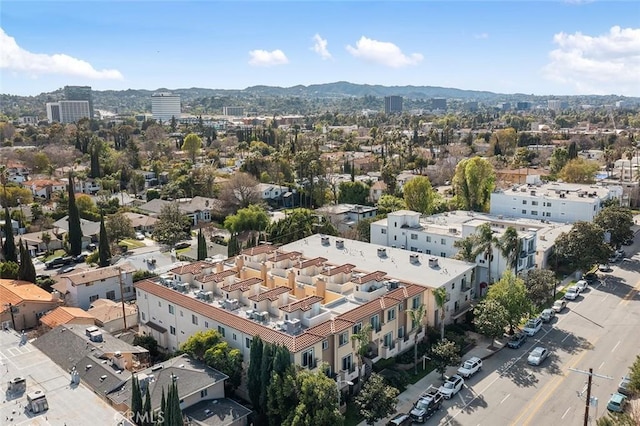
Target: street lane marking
615	347
566	412
505	398
599	368
565	338
632	293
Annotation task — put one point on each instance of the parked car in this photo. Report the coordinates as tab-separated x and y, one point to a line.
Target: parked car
400	420
451	386
605	268
591	277
66	269
615	258
139	236
572	293
532	326
623	386
54	263
517	340
617	403
559	305
426	406
80	258
537	355
582	285
470	367
547	315
92	247
182	245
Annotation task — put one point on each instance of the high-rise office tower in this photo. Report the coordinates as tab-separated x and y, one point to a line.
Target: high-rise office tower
392	104
79	93
164	106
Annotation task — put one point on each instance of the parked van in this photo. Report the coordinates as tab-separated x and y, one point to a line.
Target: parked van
533	326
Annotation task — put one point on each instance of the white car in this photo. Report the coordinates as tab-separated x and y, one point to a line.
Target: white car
470	367
139	236
532	326
452	386
582	285
537	355
572	293
559	305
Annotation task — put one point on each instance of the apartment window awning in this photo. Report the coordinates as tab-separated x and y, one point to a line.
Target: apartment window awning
152	325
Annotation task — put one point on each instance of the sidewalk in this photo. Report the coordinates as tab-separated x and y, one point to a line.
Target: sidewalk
412	393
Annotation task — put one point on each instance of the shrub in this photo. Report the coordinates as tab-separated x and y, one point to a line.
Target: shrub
396	379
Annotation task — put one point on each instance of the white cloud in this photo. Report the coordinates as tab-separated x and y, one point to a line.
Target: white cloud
15	58
604	64
383	52
320	47
264	58
481	36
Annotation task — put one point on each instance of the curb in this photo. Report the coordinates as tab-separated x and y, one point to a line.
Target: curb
493	353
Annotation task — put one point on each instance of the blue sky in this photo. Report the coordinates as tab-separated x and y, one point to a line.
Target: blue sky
542	47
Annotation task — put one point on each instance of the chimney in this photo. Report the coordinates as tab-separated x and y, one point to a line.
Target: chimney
321	287
239	262
219	267
292	279
299	291
263	271
243	273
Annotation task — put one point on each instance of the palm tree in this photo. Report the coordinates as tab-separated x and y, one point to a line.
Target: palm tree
629	154
485	243
440	294
509	245
417	316
467	250
46	239
362	339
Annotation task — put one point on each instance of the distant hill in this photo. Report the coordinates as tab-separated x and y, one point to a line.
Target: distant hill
339	96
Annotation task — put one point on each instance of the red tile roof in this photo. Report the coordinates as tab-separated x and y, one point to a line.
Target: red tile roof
302	304
373	276
376	306
65	315
261	249
272	294
328	328
243	285
244	325
306	263
279	256
217	277
192	268
346	268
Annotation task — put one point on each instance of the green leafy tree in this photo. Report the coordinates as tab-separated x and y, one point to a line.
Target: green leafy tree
579	170
485	242
419	195
363	228
376	400
443	354
353	192
583	246
9	245
440	296
9	270
317	401
119	227
202	246
490	318
618	221
361	340
46	239
148	342
390	203
252	218
104	248
172	225
634	375
539	284
509	245
192	144
417	318
473	182
279	399
511	293
75	231
298	224
26	271
466	249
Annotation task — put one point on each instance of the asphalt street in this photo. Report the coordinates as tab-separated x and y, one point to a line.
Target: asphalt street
598	330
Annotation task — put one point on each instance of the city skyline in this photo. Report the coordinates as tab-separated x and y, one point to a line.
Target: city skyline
542	48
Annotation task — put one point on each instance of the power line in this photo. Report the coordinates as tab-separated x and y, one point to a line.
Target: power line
591	374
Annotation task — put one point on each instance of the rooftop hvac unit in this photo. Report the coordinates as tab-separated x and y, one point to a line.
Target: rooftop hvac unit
324	241
207	296
231	304
262	316
157	367
433	262
183	287
250	313
293	326
339	244
96	336
382	252
413	258
392	284
90	330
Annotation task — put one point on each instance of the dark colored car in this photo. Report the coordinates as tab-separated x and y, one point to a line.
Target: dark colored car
182	245
426	406
517	340
54	263
92	247
80	258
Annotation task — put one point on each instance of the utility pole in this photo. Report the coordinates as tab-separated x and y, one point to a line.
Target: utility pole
591	374
124	311
11	311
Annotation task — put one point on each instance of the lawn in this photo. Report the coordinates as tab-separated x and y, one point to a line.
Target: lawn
57	253
132	244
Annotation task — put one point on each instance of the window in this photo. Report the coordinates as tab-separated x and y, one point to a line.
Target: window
401	307
171	309
144	317
534	203
388	340
428	239
307	359
395	238
414	236
172	330
181	313
524	201
547	214
111	295
235	337
375	322
247	342
453	286
221	330
427	251
548	204
159	304
415	302
139	293
325	345
93	298
391	314
127	289
443	241
203	393
194	319
206	324
534	213
343	339
383	230
357	328
401	332
395	224
524	211
346	363
443	254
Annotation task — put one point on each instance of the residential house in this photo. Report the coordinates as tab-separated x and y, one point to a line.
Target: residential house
23	304
90	230
153	207
141	222
16	171
113	316
200	209
81	289
67	315
270	191
347	216
36	245
43	189
376	191
517	176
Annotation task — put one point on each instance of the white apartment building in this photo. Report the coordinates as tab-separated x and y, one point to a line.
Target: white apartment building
67	111
311	296
82	289
554	201
164	106
436	235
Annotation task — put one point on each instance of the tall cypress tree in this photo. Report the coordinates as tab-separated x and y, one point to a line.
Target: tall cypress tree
104	251
146	409
26	272
9	246
75	231
136	400
254	385
175	409
163	409
202	246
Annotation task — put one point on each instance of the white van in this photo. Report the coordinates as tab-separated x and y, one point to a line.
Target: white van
533	326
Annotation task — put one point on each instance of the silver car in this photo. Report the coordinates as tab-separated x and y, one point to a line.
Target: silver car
537	355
